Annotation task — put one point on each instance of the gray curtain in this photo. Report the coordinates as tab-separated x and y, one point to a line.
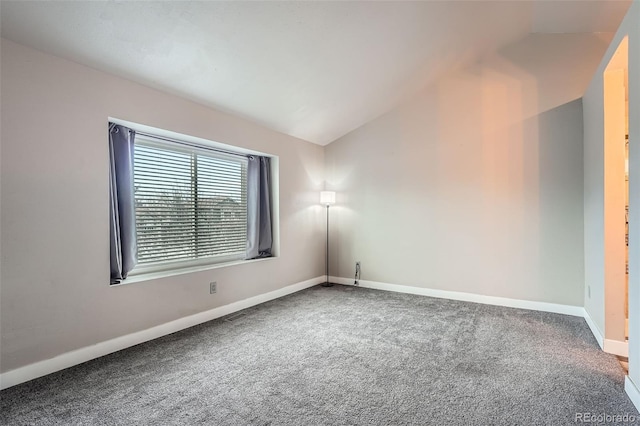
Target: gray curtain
122	218
259	232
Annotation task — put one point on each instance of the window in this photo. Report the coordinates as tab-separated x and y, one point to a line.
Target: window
190	205
179	201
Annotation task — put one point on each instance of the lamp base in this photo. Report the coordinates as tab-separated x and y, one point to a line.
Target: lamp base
327	284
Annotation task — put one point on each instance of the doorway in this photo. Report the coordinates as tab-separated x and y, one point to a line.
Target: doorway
616	200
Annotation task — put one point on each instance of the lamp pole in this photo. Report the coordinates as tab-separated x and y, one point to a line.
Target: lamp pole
327	283
327	198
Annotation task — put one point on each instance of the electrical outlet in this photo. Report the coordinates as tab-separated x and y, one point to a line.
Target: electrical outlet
213	287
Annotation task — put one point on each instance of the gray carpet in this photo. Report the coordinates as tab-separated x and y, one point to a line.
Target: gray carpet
338	356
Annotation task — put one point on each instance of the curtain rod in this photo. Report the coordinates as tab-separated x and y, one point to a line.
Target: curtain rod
193	144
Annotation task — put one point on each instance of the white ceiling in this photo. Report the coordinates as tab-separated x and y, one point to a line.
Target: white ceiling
314	70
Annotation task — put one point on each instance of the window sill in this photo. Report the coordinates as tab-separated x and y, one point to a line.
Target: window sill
182	271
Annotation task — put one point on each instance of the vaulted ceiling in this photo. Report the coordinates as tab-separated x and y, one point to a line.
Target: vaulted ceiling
314	70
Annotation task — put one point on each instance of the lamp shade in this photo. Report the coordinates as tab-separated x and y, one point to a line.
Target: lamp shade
327	198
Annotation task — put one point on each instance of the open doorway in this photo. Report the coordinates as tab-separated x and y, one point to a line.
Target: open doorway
616	200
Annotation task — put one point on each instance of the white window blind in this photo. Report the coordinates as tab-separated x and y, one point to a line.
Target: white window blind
191	204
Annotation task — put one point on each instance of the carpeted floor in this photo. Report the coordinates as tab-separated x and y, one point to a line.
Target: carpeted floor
338	356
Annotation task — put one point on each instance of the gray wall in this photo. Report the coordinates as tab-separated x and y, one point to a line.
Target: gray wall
476	186
594	202
55	294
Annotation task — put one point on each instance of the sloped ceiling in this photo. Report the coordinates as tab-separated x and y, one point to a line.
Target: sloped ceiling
314	70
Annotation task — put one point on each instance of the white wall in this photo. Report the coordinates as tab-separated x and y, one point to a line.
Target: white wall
476	185
55	293
593	110
632	26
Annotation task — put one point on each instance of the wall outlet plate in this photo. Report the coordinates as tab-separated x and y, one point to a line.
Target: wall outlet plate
213	287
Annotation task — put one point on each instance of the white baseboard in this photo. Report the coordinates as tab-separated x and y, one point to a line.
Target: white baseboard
616	347
78	356
594	329
577	311
632	391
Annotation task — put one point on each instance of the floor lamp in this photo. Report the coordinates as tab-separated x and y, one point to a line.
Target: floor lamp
327	198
